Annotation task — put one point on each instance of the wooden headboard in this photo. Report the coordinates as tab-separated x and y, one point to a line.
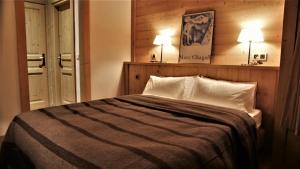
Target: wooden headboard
137	75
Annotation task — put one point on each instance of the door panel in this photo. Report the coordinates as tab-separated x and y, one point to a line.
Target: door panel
36	49
66	45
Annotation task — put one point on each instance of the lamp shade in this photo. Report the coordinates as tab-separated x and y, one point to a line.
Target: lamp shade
162	40
251	35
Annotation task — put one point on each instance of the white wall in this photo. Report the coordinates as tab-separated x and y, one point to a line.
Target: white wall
110	33
9	77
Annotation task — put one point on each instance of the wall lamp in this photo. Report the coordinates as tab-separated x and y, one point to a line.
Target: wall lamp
250	35
162	40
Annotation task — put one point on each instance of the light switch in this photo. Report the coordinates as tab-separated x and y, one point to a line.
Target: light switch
260	57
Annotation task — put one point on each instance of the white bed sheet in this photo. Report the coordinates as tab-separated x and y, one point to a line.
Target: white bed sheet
256	114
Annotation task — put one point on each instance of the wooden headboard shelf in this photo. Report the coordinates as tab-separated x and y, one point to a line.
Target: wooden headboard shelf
137	75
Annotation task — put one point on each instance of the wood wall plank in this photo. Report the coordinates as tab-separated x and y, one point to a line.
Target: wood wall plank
152	16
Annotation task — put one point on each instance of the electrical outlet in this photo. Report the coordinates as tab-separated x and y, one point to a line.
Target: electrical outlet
263	57
256	56
260	57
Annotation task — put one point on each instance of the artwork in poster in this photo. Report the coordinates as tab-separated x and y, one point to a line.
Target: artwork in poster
196	37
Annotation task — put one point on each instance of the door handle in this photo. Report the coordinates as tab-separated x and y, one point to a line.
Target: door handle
43	57
60	61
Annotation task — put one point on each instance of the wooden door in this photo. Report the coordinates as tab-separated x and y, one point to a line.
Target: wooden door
66	50
36	58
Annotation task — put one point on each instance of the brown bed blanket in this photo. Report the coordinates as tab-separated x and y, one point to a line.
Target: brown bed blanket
131	132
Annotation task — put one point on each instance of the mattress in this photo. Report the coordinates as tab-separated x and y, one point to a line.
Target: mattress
256	116
133	131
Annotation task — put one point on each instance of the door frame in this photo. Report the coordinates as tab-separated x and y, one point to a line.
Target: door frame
85	81
22	55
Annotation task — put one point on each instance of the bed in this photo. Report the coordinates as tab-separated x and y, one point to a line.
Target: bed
132	131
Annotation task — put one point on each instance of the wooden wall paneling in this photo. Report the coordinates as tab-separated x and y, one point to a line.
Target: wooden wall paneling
266	77
166	70
234	74
154	71
203	70
243	74
133	34
22	58
125	78
212	73
133	76
181	71
154	16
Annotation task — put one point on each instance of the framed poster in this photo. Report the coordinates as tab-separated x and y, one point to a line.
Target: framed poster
196	37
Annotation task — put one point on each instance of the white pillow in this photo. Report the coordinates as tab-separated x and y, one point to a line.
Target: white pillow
169	87
234	95
188	85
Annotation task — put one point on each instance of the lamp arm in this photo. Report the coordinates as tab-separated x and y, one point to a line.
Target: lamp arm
161	51
249	52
